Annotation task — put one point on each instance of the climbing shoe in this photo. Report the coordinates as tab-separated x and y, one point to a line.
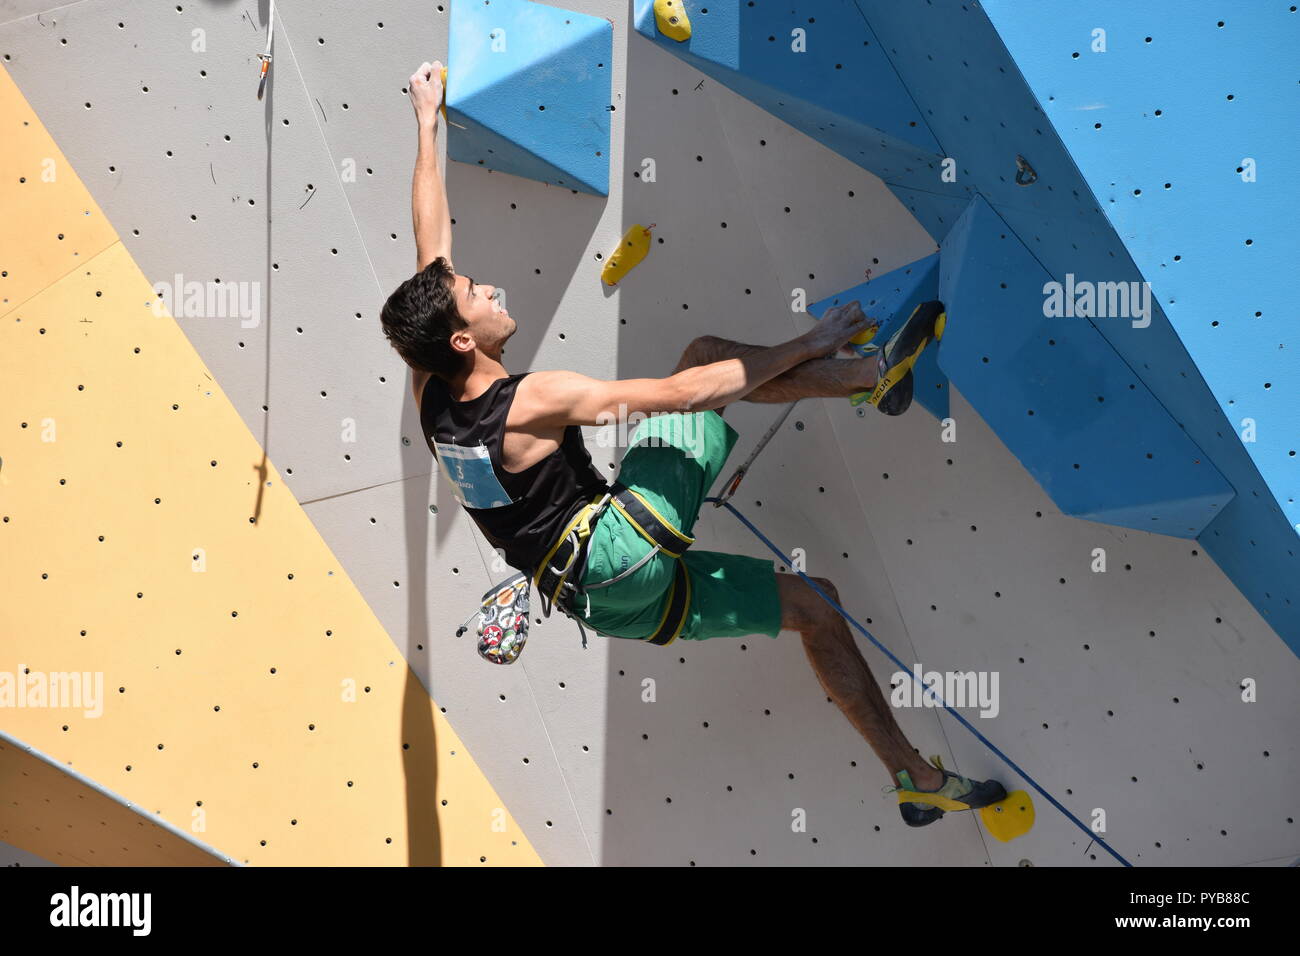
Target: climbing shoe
893	392
922	807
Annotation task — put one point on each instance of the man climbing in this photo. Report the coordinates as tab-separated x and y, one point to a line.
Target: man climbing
618	558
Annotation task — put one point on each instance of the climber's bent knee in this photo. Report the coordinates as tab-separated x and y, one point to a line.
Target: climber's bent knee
802	608
698	352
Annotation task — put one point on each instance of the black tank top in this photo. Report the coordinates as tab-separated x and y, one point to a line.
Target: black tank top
520	513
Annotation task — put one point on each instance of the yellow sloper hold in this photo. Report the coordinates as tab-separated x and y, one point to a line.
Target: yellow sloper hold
249	695
443	105
865	336
671	19
632	248
861	340
1009	818
50	221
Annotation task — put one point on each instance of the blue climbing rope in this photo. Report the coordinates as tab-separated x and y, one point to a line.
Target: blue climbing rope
984	740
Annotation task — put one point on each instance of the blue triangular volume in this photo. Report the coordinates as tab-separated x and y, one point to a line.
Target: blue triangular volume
1059	396
528	89
890	298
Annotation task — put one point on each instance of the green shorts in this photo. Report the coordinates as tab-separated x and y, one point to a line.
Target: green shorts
673	462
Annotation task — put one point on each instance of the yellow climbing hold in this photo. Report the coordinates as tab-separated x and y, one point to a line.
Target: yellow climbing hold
671	18
866	335
859	343
1009	818
631	250
939	324
443	106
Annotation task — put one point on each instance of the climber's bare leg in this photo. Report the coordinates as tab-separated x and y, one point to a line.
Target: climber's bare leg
827	640
846	678
816	378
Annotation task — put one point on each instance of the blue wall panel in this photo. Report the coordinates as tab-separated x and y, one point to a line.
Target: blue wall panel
1134	117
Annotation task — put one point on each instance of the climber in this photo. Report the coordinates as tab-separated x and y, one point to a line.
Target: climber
617	558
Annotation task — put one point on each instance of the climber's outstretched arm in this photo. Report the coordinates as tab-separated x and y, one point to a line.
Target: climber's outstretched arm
429	211
817	378
562	398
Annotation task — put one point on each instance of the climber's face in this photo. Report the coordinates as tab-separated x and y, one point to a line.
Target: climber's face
489	323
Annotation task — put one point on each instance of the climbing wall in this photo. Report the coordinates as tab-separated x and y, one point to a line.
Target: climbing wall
189	676
1121	690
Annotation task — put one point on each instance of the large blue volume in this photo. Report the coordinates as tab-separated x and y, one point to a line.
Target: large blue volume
528	92
1057	394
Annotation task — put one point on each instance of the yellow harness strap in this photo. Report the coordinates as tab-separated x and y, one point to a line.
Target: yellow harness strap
652	526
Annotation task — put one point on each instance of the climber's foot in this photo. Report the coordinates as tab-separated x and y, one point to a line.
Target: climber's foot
954	794
924	776
892	394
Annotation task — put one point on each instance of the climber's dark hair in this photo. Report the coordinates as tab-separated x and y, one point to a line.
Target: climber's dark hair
420	318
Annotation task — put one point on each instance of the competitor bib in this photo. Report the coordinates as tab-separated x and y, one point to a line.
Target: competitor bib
469	469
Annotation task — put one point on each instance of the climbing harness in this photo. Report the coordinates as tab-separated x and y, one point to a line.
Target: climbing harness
503	612
266	57
565	562
570	554
934	694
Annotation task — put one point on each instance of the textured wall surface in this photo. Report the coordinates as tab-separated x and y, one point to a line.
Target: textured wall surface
178	641
1119	690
